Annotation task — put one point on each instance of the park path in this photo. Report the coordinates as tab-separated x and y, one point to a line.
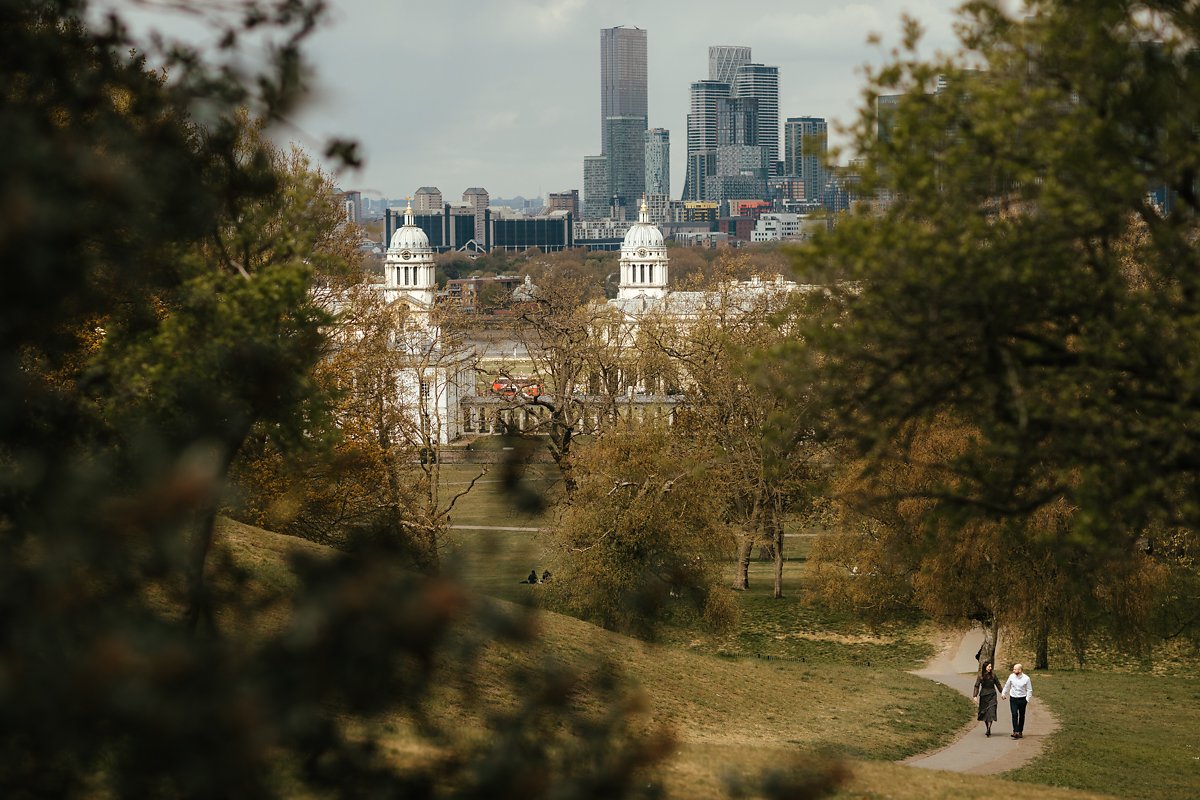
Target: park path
972	752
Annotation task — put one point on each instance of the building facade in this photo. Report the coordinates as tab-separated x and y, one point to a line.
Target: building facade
549	234
622	75
626	154
806	140
566	200
476	199
702	135
428	199
623	114
761	82
658	161
724	60
596	197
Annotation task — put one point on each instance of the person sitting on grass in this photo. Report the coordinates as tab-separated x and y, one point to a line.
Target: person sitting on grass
545	576
532	577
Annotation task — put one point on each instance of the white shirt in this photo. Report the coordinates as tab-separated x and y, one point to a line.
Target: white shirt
1018	686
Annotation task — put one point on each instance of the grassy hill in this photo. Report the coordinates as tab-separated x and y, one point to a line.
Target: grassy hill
730	715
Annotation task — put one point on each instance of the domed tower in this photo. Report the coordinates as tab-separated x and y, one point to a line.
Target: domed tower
643	260
408	267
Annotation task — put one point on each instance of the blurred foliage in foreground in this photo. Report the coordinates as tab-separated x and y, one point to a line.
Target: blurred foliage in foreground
158	309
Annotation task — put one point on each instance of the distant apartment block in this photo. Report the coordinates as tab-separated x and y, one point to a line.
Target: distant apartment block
702	135
567	200
699	211
658	207
596	196
761	81
623	113
658	161
806	141
352	205
477	199
428	199
626	153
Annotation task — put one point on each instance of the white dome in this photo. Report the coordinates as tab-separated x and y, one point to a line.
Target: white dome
410	237
642	234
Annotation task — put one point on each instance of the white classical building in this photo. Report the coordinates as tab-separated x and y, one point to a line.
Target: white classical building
439	388
435	376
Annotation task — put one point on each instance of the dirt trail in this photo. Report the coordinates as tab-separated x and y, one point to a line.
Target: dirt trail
972	752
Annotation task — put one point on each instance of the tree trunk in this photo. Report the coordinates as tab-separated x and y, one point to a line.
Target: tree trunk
1042	656
991	635
199	607
745	548
777	539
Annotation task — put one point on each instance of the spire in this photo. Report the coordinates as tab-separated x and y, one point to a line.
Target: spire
408	214
644	214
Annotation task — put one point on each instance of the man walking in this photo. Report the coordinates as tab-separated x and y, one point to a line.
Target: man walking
1018	689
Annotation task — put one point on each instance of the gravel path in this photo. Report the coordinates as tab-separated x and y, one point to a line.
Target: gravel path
972	752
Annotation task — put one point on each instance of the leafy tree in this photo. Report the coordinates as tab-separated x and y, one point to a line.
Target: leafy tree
1015	274
891	550
641	540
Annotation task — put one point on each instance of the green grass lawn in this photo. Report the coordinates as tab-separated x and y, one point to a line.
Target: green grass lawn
1131	735
732	713
793	678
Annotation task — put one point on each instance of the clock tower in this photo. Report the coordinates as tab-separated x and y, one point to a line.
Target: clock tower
408	266
643	260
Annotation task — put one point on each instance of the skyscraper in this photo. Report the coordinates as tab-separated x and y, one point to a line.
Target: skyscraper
762	82
658	161
702	133
623	112
723	61
622	75
595	187
742	165
737	120
804	144
625	138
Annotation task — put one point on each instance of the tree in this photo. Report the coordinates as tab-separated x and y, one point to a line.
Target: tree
564	330
890	551
640	540
765	457
1016	276
393	385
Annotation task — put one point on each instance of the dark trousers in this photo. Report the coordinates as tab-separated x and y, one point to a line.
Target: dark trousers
1017	706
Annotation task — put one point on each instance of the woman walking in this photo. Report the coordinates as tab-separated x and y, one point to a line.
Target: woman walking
987	686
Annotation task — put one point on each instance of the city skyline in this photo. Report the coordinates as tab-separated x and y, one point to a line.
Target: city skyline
504	96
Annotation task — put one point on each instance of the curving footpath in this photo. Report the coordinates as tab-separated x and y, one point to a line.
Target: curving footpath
972	752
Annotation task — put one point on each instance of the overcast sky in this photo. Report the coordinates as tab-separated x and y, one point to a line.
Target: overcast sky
505	94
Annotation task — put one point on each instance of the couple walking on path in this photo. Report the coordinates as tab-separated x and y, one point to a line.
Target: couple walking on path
1018	689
